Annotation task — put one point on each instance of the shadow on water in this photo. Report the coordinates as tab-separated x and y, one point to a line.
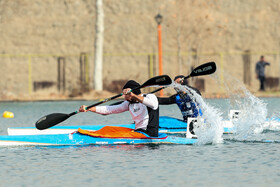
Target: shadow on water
119	147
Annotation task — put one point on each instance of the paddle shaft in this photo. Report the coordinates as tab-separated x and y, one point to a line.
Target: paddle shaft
55	118
103	101
158	89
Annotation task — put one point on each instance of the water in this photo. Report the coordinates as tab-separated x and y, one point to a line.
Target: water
231	163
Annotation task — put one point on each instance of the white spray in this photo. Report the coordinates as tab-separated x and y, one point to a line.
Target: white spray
213	131
253	110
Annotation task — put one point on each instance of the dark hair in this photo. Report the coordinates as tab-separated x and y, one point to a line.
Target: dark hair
179	76
185	81
262	56
133	84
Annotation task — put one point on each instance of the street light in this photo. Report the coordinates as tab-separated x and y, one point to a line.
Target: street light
158	19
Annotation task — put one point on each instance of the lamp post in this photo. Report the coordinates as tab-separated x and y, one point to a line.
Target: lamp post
158	19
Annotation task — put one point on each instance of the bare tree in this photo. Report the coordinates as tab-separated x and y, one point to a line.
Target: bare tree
191	32
98	53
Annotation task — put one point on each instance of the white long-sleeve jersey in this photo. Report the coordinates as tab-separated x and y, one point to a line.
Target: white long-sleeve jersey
138	111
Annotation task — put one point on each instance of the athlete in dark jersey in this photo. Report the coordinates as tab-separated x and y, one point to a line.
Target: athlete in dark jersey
185	103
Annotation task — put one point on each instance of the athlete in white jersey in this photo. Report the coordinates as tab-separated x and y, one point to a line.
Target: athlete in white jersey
143	108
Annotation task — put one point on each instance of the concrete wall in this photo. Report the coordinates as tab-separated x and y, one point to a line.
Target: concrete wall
34	33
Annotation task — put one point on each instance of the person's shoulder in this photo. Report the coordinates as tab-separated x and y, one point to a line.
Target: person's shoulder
149	95
259	63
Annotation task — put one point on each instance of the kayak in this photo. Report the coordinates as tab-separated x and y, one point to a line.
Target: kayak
107	135
167	125
74	139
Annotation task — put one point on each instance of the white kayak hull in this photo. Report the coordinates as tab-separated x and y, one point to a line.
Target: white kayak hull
168	125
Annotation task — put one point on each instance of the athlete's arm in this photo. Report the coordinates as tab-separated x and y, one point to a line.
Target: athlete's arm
114	109
167	100
150	100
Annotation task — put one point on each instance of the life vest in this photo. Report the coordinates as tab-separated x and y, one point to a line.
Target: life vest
187	106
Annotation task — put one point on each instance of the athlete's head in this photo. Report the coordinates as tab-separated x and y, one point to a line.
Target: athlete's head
180	80
131	84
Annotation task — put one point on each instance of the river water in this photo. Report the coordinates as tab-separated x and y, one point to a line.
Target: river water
230	163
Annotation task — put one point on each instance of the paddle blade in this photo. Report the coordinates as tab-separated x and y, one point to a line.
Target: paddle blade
161	80
204	69
50	120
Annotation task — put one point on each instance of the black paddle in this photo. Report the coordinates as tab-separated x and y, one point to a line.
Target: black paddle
204	69
55	118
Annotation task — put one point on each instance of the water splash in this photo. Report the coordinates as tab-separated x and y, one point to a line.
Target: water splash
252	117
253	113
273	123
213	131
